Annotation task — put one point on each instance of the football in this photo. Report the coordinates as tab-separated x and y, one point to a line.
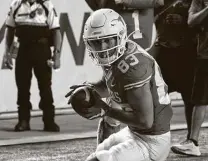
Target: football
82	98
83	103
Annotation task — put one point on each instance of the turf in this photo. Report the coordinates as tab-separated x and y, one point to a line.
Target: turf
78	150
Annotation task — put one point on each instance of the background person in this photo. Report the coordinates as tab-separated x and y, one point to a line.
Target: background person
197	18
35	23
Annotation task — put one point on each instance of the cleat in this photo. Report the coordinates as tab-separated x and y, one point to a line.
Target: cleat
186	148
22	126
51	127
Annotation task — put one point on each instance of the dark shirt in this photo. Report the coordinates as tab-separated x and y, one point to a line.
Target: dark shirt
172	27
202	38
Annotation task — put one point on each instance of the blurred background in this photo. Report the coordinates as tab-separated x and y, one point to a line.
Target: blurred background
76	66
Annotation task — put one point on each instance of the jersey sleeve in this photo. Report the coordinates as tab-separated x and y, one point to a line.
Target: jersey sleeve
196	6
53	19
141	4
139	72
10	21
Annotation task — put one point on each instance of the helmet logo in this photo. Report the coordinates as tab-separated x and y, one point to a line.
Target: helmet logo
96	32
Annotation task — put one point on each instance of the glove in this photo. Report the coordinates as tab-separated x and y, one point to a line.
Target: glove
82	99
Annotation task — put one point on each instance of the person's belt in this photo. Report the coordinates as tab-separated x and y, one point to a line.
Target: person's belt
42	40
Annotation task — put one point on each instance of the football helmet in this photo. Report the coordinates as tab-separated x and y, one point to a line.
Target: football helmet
105	36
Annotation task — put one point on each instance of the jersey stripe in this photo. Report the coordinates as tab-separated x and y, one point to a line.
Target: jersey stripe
137	84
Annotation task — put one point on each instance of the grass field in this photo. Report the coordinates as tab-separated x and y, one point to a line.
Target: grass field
78	150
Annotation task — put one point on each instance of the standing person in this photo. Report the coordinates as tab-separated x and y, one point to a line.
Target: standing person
137	91
198	17
175	52
139	17
36	24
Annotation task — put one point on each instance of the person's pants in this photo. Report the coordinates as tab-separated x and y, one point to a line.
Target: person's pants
33	57
177	67
125	145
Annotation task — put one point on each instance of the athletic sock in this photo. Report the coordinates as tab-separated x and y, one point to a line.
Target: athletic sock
195	142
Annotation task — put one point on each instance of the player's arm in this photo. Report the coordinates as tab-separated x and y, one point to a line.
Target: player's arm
140	99
101	87
9	34
10	23
141	4
197	13
54	26
9	37
137	90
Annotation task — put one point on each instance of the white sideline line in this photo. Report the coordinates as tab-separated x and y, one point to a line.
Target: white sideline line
184	126
63	137
48	138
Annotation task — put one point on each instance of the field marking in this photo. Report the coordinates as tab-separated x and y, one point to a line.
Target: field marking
65	136
48	138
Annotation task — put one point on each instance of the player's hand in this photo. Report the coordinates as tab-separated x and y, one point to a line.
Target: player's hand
118	1
57	63
73	88
82	100
7	60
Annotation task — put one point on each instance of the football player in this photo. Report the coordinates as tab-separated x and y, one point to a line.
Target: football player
138	94
139	17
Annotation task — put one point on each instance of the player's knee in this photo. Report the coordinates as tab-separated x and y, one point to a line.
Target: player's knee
107	143
104	155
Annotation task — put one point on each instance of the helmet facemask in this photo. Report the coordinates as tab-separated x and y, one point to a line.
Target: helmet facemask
106	50
107	40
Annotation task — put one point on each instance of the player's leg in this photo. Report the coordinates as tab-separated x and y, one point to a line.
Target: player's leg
107	125
184	83
200	99
125	145
112	140
158	146
23	76
43	74
188	112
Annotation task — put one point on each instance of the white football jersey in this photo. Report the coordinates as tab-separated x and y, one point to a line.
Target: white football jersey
22	13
